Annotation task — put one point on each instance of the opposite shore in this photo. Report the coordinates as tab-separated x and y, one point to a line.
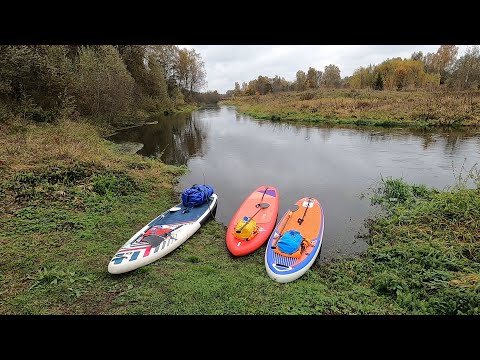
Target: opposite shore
365	107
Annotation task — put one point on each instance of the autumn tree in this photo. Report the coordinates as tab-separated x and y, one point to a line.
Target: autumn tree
378	85
263	85
277	84
167	56
183	71
444	60
251	87
441	62
237	90
103	84
36	81
191	71
331	76
46	82
417	56
394	74
144	63
156	95
466	70
362	78
244	87
301	81
198	74
134	57
313	78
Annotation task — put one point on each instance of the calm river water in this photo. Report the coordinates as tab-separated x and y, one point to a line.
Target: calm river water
237	153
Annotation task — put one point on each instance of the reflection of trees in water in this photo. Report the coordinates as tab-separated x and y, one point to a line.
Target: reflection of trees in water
188	139
455	141
174	139
453	138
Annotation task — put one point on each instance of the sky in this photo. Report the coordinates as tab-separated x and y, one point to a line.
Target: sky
225	64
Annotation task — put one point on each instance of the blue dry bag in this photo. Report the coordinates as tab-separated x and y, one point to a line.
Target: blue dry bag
196	195
290	242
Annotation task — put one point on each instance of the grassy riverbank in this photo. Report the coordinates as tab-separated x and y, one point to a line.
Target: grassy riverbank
365	107
69	199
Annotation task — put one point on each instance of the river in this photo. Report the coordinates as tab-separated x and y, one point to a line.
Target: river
338	166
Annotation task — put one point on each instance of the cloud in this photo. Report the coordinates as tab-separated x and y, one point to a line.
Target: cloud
226	64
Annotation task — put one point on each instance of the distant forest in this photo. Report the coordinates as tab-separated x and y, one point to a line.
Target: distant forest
103	82
432	71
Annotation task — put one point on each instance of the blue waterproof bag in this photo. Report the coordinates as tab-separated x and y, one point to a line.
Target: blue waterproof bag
290	242
196	195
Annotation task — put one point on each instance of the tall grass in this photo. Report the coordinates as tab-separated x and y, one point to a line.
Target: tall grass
366	107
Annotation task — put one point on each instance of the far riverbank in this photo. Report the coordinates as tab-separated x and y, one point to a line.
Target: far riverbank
365	107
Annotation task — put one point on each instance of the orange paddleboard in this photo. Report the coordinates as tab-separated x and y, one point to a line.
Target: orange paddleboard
303	221
261	206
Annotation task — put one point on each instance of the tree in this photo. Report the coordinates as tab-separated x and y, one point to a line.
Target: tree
331	76
144	63
263	85
135	58
378	82
444	60
301	81
190	70
313	78
466	70
237	90
244	87
36	80
197	71
103	84
417	56
167	56
183	69
362	78
156	86
276	84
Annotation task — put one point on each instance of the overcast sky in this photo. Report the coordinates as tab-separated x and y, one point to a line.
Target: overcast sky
226	64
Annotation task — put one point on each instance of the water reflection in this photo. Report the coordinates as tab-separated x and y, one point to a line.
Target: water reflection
173	139
333	164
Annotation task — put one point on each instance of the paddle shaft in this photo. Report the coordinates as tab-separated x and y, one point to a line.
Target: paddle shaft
283	228
300	221
263	196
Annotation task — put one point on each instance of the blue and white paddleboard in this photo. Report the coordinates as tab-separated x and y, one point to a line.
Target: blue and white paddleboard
161	236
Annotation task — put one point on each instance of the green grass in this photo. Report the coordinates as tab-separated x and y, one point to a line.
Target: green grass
65	212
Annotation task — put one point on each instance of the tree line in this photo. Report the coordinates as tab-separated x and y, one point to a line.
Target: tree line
441	69
44	82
